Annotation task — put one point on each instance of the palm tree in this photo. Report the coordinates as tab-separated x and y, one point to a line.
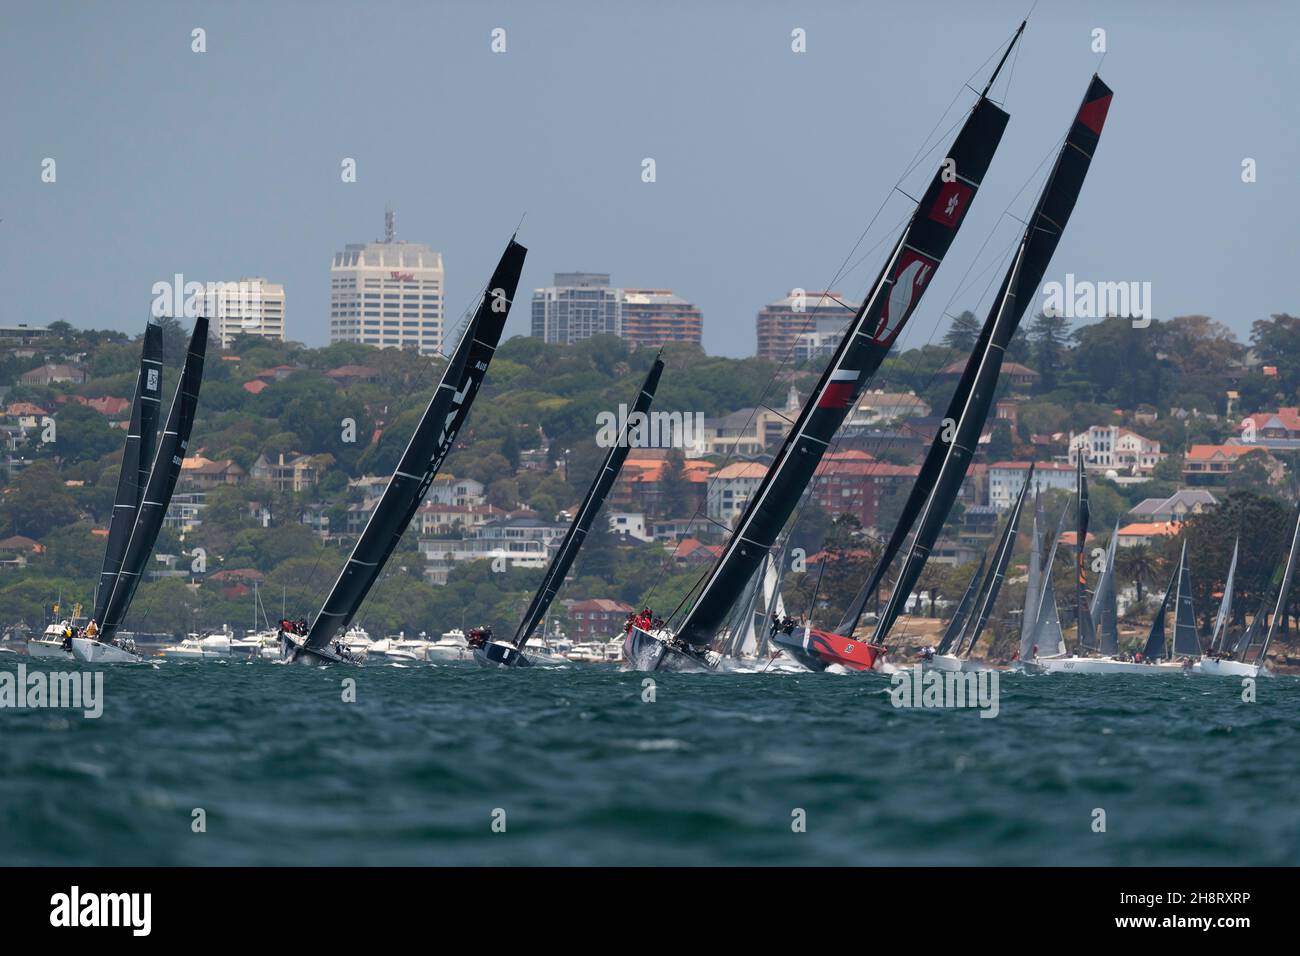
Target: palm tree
1137	563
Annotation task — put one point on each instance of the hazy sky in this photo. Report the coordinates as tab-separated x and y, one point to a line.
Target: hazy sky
769	163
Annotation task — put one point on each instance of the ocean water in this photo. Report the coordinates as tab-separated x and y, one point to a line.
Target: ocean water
714	771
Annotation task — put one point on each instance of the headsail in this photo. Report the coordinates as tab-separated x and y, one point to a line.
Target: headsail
1224	618
1029	614
893	298
1279	610
1105	607
137	457
956	447
1002	558
424	454
1047	622
163	473
1155	646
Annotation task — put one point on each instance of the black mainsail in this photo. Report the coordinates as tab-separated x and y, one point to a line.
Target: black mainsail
1279	610
163	473
1087	636
1155	646
955	447
884	312
433	438
586	515
137	457
1186	643
958	622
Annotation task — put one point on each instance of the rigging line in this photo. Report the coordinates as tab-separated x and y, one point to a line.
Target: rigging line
844	268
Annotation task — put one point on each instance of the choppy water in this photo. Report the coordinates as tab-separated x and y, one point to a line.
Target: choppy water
709	773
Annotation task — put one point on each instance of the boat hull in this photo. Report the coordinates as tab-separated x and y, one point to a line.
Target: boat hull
496	654
1098	665
90	651
643	651
293	652
818	650
951	662
1213	668
47	650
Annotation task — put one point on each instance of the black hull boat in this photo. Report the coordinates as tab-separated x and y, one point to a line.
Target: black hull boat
643	651
498	654
294	651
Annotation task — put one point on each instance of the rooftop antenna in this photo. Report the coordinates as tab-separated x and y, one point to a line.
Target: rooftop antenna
390	223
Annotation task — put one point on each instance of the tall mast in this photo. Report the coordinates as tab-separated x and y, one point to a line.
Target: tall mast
953	449
884	312
425	452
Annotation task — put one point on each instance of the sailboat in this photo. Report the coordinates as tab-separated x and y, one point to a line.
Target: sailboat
429	445
151	466
1221	665
950	454
512	653
954	651
908	271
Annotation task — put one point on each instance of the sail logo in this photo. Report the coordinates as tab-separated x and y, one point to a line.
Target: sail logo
151	380
451	424
649	429
908	282
74	909
1084	299
951	203
840	389
55	690
919	687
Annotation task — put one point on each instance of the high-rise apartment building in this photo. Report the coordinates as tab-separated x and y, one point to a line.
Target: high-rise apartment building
389	293
578	306
247	307
652	317
802	324
582	304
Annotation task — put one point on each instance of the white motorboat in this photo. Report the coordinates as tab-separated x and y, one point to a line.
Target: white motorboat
596	652
450	646
222	646
49	646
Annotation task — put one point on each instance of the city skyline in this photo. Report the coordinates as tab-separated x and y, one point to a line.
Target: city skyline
763	183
